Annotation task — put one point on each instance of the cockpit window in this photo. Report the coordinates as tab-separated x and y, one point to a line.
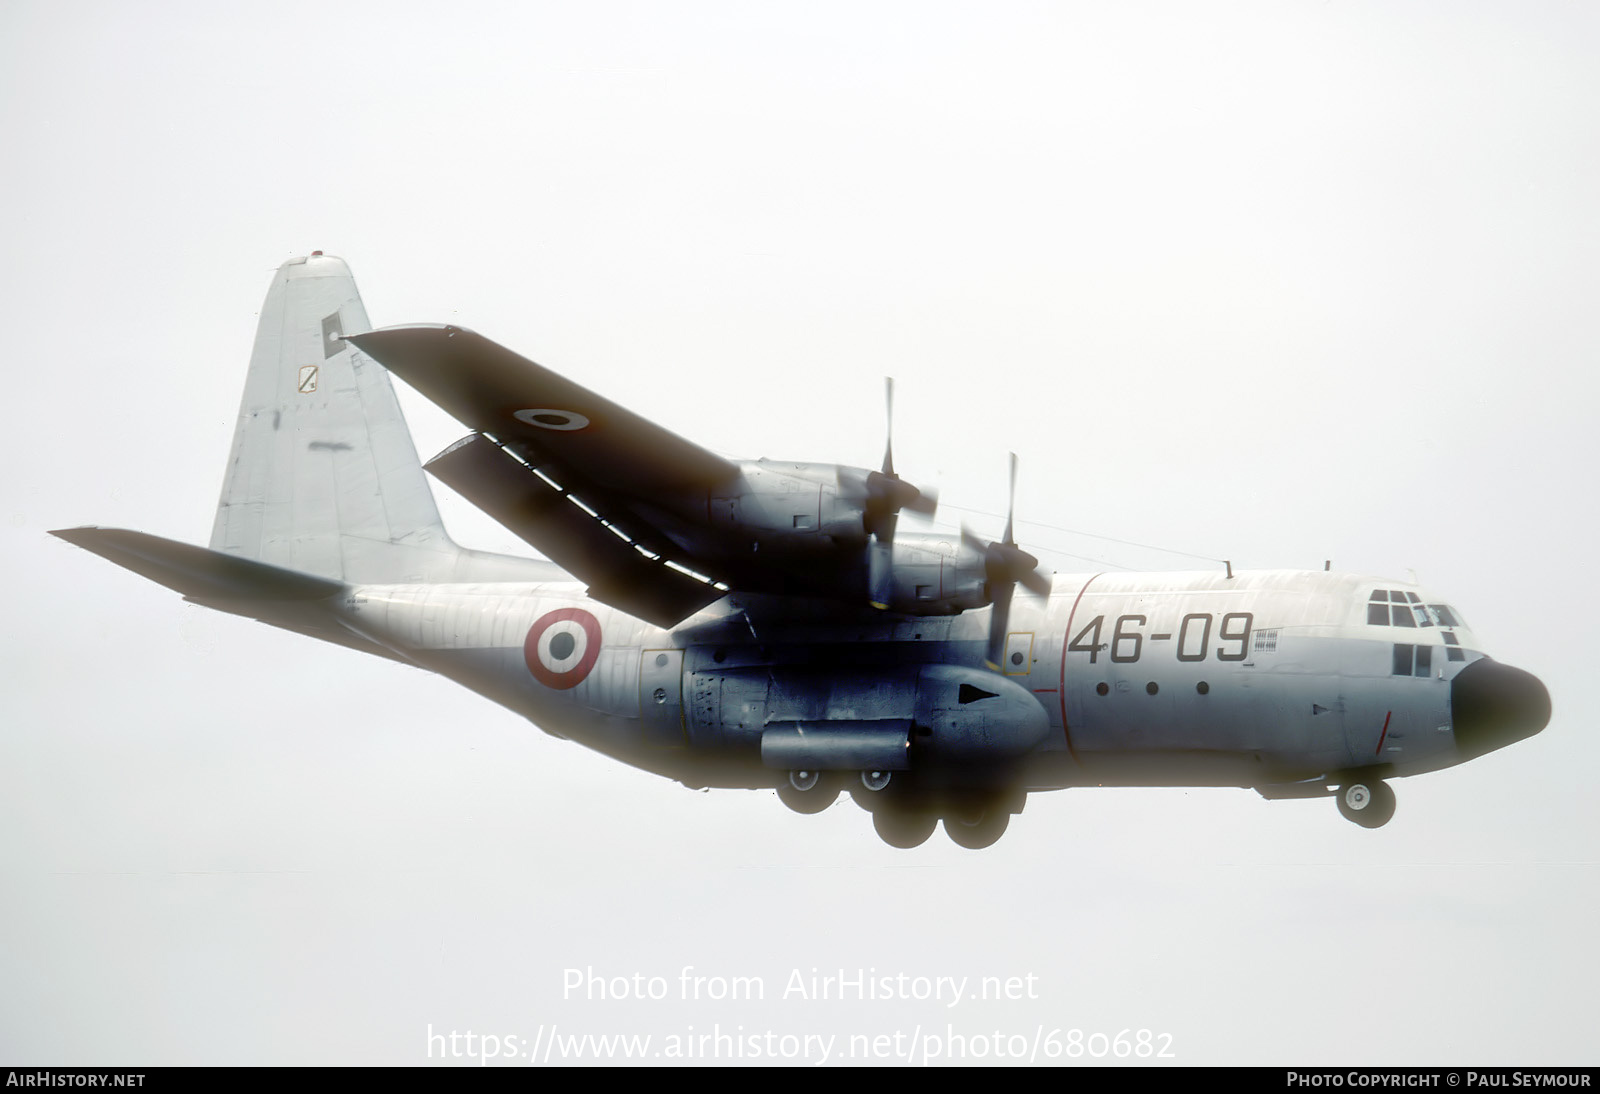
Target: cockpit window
1397	608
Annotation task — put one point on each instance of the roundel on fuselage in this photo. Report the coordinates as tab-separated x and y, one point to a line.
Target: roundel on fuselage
561	647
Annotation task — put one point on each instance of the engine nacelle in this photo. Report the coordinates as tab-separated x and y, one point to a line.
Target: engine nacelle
935	575
788	506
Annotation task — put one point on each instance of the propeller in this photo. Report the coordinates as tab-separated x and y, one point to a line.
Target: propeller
882	495
1005	565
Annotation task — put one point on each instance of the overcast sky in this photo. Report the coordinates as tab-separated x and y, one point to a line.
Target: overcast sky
1272	282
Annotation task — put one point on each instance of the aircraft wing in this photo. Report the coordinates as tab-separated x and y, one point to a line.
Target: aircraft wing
571	535
489	388
572	473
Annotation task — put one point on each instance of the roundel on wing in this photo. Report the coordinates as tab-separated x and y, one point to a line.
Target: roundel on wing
562	421
562	646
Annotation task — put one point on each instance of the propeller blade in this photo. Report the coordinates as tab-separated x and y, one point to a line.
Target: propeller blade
1011	505
883	494
970	539
999	620
926	502
888	426
1005	566
880	573
1037	582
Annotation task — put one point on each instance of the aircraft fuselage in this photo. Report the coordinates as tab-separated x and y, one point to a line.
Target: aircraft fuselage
1189	678
760	623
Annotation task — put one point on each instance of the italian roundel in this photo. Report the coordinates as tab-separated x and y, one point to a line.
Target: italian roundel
562	647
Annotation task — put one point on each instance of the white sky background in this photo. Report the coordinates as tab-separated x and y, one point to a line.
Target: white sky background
1275	283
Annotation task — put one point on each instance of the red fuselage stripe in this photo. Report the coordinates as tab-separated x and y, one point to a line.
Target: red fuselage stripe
1384	734
1066	639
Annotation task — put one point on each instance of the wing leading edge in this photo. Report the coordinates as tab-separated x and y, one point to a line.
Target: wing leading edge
492	390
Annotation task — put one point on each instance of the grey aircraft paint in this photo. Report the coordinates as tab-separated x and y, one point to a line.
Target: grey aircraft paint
717	621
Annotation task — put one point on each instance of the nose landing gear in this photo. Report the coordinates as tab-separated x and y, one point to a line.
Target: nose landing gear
1367	802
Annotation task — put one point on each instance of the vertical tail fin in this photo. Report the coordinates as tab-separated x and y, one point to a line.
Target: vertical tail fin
323	477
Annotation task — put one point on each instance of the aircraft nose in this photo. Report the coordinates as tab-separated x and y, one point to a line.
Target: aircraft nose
1493	705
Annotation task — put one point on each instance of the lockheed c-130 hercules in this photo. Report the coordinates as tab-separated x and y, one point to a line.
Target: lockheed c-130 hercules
764	624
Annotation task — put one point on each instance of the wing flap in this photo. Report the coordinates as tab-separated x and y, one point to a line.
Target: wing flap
569	535
492	390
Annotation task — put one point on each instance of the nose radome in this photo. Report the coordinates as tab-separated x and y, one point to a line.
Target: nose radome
1494	705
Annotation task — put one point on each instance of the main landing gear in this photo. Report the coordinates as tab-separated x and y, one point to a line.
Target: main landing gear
1367	802
903	818
972	824
808	791
977	825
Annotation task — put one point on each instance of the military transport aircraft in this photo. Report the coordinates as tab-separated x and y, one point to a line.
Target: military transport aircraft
763	624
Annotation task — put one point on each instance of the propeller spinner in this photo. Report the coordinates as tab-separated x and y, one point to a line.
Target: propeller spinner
1004	566
883	494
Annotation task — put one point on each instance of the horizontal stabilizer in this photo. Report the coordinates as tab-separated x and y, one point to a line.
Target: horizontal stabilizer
239	586
568	534
196	572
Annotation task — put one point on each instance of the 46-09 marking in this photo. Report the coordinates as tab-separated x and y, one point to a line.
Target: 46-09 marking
1194	637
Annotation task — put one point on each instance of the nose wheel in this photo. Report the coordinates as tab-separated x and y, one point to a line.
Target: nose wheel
1367	802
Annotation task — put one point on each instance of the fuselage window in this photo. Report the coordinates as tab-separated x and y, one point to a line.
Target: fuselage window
1403	658
1452	647
1410	660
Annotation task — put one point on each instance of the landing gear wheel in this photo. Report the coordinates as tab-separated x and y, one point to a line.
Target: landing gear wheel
902	828
875	780
1367	802
977	829
807	792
